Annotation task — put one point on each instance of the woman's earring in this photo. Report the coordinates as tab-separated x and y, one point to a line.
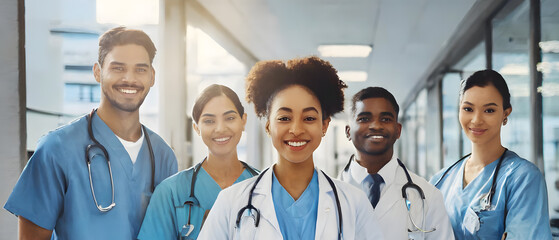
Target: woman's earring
323	134
505	121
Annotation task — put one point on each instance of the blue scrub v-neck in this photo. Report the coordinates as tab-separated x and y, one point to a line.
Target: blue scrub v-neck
167	213
207	189
297	219
487	171
118	153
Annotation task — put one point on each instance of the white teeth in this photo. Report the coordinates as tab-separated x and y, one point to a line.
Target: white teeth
296	144
129	91
223	139
378	137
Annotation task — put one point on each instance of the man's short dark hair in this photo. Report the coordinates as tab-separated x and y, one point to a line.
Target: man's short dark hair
121	36
374	92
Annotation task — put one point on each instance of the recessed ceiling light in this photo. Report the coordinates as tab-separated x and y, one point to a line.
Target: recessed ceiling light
345	50
353	76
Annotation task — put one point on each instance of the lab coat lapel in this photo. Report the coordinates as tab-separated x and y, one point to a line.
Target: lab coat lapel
326	208
391	195
263	201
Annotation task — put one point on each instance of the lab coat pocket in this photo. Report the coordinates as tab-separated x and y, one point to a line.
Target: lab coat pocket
415	235
491	223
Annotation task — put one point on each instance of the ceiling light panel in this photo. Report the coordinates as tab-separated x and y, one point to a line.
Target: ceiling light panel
353	76
345	50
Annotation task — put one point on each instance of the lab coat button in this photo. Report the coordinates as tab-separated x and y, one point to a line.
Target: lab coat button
327	210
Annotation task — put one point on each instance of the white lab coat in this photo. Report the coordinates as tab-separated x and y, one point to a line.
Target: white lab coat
359	221
391	209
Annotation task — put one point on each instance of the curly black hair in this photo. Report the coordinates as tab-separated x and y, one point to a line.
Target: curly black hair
267	78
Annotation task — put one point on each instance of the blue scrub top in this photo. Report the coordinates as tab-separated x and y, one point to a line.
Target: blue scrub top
297	219
519	206
54	191
167	213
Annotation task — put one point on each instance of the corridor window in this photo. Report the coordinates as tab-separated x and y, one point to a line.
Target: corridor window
550	93
511	59
451	126
80	92
408	137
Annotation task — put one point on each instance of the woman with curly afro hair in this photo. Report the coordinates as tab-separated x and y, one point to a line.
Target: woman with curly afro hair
292	199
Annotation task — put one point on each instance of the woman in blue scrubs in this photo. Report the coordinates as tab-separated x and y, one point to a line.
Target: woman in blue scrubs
492	193
292	199
177	212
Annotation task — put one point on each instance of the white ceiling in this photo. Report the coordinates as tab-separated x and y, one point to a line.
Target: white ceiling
406	35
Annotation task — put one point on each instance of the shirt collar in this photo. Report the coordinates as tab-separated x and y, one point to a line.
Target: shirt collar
388	172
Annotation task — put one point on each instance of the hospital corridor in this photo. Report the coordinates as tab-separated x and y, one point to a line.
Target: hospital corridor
457	98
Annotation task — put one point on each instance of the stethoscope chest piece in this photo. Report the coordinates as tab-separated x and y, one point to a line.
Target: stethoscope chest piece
186	230
485	202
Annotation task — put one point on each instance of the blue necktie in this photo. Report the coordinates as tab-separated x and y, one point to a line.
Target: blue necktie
371	186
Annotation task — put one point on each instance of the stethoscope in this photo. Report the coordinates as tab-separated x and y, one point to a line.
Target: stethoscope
251	207
409	184
193	201
96	144
485	202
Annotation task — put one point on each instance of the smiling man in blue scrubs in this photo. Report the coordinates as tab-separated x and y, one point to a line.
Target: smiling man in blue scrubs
57	196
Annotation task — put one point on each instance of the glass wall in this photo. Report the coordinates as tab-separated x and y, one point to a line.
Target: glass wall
433	136
408	138
452	132
421	133
511	59
550	93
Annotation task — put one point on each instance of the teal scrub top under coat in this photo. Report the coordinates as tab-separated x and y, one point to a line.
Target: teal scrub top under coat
297	219
519	206
54	192
167	212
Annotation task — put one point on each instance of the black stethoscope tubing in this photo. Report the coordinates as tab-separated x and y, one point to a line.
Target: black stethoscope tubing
410	183
106	153
249	205
192	200
495	174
